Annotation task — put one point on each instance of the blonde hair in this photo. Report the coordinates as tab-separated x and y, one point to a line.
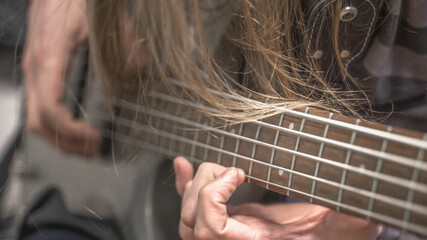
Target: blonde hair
271	38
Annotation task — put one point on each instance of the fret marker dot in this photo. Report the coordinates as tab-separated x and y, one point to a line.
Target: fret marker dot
362	166
280	172
291	126
232	130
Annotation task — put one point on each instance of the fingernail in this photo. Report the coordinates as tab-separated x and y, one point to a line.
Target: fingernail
226	172
241	172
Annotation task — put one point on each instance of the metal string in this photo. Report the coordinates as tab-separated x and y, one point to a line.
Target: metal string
168	135
370	152
387	178
414	142
166	151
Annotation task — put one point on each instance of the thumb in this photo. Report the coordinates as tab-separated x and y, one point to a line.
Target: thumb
184	172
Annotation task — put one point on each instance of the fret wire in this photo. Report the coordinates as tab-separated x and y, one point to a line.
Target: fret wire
386	199
236	149
195	136
273	151
208	141
254	148
414	178
373	132
384	218
221	146
377	170
370	152
346	162
322	145
392	179
296	149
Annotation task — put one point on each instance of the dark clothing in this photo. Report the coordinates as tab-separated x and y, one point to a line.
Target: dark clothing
397	61
57	234
386	53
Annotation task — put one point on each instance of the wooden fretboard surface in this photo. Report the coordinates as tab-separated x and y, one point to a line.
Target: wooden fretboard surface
311	160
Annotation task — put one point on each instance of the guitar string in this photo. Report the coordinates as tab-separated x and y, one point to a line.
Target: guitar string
380	197
371	152
387	178
405	140
414	142
409	141
125	139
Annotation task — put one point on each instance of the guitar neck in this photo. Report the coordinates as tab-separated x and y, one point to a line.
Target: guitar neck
361	168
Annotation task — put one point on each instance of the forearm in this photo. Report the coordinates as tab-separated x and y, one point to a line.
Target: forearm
55	29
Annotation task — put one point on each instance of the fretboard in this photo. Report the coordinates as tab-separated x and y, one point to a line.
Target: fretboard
361	168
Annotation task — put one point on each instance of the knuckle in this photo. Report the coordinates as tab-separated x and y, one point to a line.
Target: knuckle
206	166
187	186
205	192
216	191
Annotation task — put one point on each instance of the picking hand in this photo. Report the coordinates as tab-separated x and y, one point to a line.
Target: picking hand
55	30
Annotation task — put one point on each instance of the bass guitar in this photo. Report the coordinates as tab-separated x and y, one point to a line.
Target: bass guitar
365	169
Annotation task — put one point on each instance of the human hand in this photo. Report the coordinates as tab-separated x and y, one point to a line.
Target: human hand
55	30
205	214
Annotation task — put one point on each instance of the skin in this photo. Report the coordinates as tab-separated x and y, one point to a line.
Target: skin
206	215
55	30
